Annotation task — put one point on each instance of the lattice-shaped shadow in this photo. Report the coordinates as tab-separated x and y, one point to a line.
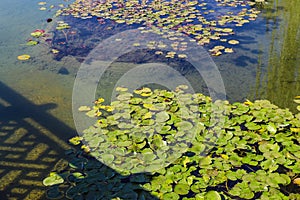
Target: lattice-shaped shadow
32	144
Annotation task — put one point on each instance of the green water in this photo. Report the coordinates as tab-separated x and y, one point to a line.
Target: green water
266	64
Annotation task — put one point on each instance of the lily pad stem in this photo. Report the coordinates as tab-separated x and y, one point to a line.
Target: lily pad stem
66	36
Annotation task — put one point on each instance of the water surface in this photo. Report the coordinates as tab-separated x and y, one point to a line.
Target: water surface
35	96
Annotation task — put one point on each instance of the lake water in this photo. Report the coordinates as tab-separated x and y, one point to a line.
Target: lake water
36	95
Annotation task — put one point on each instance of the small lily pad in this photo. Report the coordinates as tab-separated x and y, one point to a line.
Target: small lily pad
212	195
233	42
84	108
228	50
32	43
162	116
53	179
23	57
182	188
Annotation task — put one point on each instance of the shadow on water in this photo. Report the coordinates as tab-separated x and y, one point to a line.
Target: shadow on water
32	144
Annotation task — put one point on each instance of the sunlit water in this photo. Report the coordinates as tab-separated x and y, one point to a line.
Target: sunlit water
265	63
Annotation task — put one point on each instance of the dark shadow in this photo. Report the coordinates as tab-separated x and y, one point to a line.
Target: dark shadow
32	144
242	61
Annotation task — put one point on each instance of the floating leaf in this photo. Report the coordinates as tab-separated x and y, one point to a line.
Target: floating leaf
205	161
182	188
42	3
159	53
228	50
252	126
75	140
296	130
212	195
37	33
217	53
296	181
84	108
121	89
171	196
162	116
108	158
31	43
53	179
271	128
233	42
184	125
182	56
55	51
227	30
23	57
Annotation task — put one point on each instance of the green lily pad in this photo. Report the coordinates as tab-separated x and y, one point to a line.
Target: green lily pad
252	126
213	195
171	196
205	161
32	43
162	116
53	179
108	158
181	189
184	125
54	193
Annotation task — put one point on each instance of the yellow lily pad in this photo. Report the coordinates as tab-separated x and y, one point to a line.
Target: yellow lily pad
182	55
42	3
228	50
227	30
54	51
296	130
233	42
23	57
296	181
217	53
136	44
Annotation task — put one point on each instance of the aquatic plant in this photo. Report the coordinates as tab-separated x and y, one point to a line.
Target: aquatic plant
53	179
62	26
32	43
37	33
251	152
197	19
23	57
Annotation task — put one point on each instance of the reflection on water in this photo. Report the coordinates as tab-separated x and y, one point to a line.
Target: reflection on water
266	64
281	82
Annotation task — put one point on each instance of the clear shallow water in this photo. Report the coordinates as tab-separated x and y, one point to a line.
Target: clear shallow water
35	112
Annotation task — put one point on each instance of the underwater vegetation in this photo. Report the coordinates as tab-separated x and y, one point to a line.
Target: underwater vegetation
214	150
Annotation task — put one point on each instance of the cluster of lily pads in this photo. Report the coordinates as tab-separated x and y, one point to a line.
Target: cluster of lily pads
203	21
36	35
40	35
144	131
247	150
